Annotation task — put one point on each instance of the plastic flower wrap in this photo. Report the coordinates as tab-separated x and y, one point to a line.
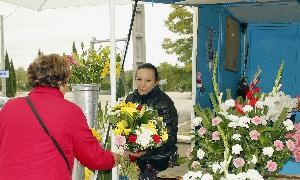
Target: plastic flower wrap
243	138
137	127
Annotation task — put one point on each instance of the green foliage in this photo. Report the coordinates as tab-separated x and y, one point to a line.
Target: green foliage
92	66
21	79
11	80
178	78
180	22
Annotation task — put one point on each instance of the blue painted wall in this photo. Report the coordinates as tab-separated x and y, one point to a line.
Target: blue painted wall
214	18
269	45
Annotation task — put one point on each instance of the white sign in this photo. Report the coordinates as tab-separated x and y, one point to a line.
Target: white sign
4	74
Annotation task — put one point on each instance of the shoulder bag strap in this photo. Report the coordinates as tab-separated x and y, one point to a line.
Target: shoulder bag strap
47	131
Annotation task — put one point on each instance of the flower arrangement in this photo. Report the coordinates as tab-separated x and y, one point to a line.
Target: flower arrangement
137	127
92	66
242	138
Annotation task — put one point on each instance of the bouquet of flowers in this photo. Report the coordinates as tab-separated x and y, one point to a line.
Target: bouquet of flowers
92	65
137	127
242	138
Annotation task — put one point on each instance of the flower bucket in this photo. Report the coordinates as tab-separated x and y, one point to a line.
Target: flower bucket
123	177
86	97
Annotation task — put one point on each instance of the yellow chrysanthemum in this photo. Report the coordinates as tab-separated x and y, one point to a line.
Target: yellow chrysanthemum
129	110
87	173
130	104
118	131
96	134
121	125
127	131
105	70
164	136
151	126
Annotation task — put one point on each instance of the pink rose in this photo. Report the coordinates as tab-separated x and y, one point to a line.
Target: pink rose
195	164
254	135
215	121
272	166
278	145
290	145
201	131
238	162
216	136
297	154
120	140
256	120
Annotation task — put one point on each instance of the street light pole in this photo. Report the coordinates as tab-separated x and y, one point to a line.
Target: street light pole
3	81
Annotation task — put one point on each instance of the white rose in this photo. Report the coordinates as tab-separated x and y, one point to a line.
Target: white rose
236	149
268	151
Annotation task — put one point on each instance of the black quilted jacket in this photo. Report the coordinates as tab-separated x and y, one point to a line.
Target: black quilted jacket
157	99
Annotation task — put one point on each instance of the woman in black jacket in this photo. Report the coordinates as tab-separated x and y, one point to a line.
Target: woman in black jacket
148	92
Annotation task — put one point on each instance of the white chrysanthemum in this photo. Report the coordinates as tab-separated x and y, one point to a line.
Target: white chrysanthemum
268	151
200	153
253	174
216	167
207	177
236	137
247	108
144	137
236	149
191	175
288	124
197	121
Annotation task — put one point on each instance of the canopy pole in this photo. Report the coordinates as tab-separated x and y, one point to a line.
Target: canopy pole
194	59
113	95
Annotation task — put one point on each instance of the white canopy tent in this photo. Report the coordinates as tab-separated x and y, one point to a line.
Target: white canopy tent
40	5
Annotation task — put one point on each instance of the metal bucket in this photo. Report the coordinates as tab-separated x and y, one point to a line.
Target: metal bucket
86	97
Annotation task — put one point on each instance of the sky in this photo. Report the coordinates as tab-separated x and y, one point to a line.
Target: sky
53	31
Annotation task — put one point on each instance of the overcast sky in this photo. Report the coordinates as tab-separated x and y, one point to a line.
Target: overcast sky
53	31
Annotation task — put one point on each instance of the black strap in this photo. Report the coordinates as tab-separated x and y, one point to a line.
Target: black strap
47	131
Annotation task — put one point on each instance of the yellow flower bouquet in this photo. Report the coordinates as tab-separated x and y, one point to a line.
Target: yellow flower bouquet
137	127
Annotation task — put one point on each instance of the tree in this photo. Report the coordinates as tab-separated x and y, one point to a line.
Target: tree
180	21
13	78
21	78
40	53
10	80
178	78
74	50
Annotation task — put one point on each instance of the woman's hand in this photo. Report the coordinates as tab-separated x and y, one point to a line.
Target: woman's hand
116	158
136	154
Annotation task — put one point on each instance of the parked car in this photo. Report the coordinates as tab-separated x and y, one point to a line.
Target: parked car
3	100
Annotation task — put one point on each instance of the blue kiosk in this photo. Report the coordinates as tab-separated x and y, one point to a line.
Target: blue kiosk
245	34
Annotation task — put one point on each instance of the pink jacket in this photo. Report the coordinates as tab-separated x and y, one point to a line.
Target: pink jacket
27	152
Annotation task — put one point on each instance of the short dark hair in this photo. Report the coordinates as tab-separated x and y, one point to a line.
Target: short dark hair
149	66
48	70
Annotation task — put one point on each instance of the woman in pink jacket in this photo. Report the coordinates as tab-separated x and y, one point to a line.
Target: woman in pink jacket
27	152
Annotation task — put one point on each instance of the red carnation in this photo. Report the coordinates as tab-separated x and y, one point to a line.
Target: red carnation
132	158
156	138
139	107
132	138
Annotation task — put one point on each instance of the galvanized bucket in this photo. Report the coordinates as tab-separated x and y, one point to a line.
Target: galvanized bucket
86	97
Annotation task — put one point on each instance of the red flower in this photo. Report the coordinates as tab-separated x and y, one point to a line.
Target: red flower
132	138
239	108
253	101
132	158
156	138
139	107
